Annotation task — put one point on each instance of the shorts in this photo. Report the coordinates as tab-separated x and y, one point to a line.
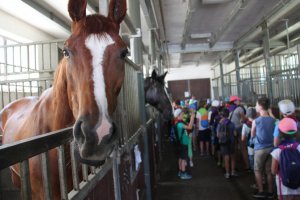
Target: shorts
227	149
263	160
204	135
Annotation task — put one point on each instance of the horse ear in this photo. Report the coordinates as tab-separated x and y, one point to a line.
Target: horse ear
164	75
117	10
77	9
153	75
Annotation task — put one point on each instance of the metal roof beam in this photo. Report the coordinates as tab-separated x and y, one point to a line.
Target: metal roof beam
48	14
196	48
281	9
232	15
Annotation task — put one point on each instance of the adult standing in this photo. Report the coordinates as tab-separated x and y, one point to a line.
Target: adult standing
202	125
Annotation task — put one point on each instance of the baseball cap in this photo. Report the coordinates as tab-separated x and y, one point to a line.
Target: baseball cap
287	126
286	107
215	103
177	112
234	98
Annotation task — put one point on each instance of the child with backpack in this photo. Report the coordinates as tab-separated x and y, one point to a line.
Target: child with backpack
183	141
287	109
225	134
286	162
246	134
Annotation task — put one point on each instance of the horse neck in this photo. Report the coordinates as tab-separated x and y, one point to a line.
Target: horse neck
60	105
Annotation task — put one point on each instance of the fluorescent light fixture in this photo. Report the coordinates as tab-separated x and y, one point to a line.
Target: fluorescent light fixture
200	35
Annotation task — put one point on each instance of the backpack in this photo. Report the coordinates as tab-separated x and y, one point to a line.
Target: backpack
289	162
224	133
204	117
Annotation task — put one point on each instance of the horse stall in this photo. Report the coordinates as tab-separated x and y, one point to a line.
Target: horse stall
129	172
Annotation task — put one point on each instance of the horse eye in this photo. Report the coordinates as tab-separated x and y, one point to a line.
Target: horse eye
66	53
123	53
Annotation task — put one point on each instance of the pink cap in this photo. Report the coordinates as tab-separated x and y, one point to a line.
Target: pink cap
234	98
287	126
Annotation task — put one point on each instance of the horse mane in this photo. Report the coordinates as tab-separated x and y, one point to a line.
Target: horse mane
60	100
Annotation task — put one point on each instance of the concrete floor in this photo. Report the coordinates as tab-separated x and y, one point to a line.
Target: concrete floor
208	182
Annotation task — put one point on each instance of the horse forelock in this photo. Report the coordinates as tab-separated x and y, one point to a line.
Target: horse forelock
94	24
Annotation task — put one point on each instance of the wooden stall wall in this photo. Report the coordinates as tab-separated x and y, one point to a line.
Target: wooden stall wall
198	87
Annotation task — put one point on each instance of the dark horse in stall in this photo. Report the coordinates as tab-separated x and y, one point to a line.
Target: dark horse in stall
84	93
156	95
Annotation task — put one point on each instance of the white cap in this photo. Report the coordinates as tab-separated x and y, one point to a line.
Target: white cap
215	103
177	112
286	107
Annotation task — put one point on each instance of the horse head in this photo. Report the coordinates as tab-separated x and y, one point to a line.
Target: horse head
94	56
156	96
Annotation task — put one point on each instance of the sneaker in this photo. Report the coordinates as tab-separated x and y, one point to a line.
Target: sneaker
253	186
185	176
227	176
270	195
234	174
259	195
191	163
179	174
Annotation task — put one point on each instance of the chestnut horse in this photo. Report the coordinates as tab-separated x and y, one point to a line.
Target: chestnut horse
84	93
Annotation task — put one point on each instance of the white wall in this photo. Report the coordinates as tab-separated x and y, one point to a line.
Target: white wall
189	72
16	29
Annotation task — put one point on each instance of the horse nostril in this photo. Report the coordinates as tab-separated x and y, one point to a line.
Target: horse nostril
77	132
112	134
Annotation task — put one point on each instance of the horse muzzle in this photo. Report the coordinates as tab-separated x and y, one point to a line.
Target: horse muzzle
91	149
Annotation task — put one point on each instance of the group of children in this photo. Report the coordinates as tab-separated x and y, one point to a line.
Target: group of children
255	129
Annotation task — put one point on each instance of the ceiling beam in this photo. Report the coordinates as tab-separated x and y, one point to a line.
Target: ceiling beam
196	48
280	10
240	4
187	24
48	14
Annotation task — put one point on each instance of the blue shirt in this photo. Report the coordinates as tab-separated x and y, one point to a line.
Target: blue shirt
264	132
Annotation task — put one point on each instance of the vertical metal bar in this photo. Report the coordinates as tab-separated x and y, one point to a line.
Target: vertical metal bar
30	87
2	99
43	63
16	90
23	89
46	176
28	58
266	43
237	71
116	174
9	95
141	96
13	58
85	172
25	180
93	170
50	55
222	78
62	172
74	167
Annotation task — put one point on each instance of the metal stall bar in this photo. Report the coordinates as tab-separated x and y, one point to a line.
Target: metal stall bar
46	176
74	165
62	172
146	142
25	180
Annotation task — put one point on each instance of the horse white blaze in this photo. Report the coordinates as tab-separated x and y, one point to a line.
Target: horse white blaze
97	46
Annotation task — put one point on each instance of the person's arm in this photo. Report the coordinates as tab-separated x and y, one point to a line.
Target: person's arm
276	135
274	166
190	125
253	129
244	134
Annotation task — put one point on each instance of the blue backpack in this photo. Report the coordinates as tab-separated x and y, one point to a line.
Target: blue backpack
290	165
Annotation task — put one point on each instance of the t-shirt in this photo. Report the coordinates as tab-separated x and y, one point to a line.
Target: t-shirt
264	132
184	139
202	115
284	190
246	131
235	117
